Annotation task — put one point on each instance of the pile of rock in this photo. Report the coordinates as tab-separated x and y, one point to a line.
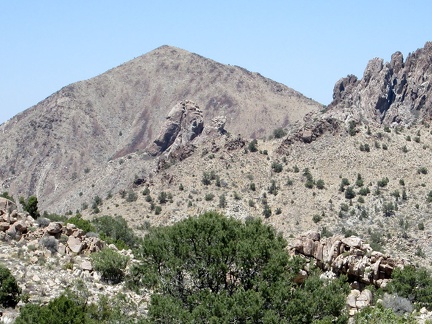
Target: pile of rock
65	239
350	256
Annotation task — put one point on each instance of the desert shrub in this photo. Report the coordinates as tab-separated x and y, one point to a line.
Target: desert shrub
279	133
43	222
429	197
388	209
222	201
361	200
146	191
252	186
253	146
414	284
404	149
296	169
158	210
131	196
384	147
115	230
421	226
237	196
81	223
352	128
30	205
273	189
50	243
364	191
408	138
349	193
163	197
209	196
266	211
320	184
251	203
278	211
383	182
344	207
422	170
216	269
277	167
417	139
9	290
6	195
380	315
316	218
110	264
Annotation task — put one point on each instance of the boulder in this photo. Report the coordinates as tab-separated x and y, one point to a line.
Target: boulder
75	244
54	228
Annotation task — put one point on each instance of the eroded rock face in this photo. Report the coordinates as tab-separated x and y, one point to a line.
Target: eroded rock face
350	256
183	123
393	92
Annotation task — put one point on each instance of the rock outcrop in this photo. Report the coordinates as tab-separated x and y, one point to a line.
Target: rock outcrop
350	256
393	92
183	123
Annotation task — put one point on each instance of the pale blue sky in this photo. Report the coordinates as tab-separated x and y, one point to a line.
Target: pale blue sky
307	45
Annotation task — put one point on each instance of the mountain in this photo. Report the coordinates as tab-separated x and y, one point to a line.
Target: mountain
63	148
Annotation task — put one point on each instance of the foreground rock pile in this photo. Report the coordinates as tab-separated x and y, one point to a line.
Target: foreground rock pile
350	256
47	260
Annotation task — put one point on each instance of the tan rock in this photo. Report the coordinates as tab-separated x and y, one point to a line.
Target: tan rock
75	244
54	228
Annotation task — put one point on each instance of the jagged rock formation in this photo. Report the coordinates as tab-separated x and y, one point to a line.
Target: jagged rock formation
350	256
184	122
393	92
65	143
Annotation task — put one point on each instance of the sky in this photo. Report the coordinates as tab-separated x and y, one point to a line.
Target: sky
304	44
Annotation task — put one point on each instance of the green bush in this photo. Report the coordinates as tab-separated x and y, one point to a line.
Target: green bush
414	284
110	264
213	269
349	193
9	290
209	196
81	223
320	184
422	170
30	205
277	167
253	145
115	230
279	133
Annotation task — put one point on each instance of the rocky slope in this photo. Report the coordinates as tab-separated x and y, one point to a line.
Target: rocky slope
73	135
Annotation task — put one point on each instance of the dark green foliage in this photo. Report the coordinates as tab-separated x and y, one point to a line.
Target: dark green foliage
364	191
365	147
252	186
6	195
384	147
402	182
81	223
163	197
209	196
429	197
158	210
414	284
115	230
222	201
55	217
131	196
352	128
349	193
273	189
213	269
9	290
387	129
309	178
110	264
383	182
388	209
72	308
359	181
181	187
316	218
277	167
237	196
30	205
146	191
267	211
279	133
296	169
422	170
421	226
320	184
253	145
408	138
381	315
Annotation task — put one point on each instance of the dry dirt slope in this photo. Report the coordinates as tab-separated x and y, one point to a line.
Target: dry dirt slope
62	140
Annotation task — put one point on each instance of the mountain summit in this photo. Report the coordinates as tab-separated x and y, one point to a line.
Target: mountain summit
83	126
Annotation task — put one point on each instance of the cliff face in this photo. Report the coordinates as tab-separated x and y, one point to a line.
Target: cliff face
399	91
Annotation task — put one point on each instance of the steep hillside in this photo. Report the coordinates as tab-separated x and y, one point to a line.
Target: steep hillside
63	145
